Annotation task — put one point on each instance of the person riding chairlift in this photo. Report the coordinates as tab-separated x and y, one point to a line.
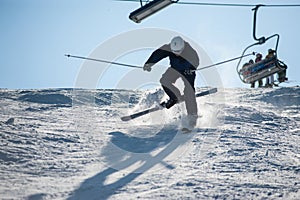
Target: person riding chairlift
270	79
258	59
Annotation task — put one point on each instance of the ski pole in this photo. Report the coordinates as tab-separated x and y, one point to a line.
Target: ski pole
104	61
226	61
135	66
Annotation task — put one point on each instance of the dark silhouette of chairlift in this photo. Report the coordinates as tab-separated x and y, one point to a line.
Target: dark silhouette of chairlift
266	67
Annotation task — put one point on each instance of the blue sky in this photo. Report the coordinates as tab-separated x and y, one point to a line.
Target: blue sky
36	34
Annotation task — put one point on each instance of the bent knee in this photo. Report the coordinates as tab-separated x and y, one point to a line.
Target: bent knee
164	81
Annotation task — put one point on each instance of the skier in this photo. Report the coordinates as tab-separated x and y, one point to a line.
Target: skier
184	61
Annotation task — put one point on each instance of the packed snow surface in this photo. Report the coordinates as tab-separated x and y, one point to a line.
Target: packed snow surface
71	144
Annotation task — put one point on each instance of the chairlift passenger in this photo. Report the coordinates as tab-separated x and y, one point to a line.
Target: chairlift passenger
245	71
258	59
270	79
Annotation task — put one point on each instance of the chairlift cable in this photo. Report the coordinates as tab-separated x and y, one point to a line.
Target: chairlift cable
236	5
215	4
220	4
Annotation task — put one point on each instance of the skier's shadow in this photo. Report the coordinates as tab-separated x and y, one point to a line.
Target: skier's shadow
134	144
123	152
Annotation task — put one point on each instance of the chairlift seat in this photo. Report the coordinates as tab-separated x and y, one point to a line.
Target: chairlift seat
260	70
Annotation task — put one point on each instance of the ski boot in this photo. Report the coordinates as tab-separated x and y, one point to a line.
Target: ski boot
191	123
169	103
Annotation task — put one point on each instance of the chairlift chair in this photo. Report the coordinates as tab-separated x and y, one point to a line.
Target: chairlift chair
267	67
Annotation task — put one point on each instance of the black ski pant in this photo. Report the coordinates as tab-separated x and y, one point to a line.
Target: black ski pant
168	80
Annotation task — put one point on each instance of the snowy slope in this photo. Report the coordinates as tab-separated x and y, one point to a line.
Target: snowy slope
71	144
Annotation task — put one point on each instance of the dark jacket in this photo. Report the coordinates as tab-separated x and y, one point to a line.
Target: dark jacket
187	60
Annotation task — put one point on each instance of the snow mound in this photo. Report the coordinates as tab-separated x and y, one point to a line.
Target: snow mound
46	98
105	97
282	97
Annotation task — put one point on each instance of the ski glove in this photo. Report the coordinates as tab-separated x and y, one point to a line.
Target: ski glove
147	67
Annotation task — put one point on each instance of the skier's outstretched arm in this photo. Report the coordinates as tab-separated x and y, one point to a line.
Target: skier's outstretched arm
156	56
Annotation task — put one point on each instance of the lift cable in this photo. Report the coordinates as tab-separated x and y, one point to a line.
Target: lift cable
219	4
236	5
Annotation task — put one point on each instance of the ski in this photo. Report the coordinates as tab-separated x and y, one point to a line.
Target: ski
207	92
141	113
159	107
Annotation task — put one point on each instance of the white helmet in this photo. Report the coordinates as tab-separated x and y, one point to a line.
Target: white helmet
177	45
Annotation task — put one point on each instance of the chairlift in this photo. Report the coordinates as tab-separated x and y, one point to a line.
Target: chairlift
250	73
267	67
